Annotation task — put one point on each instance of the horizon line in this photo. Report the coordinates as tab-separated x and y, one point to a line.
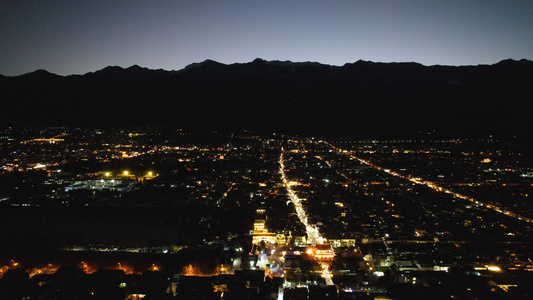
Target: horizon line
260	59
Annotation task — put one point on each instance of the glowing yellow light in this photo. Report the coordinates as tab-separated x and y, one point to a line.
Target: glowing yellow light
150	173
107	174
126	173
494	268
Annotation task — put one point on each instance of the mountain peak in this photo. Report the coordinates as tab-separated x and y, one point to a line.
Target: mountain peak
207	62
39	74
512	62
259	60
136	67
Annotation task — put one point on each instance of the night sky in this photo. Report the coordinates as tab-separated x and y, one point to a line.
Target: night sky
76	37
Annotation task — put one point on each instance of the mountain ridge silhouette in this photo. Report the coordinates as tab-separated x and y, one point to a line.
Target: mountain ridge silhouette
363	98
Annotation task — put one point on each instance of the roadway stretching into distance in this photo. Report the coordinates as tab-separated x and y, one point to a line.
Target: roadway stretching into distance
435	187
313	235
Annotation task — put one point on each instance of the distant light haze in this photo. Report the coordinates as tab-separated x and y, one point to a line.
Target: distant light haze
76	37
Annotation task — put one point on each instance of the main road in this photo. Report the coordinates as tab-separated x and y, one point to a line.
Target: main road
313	235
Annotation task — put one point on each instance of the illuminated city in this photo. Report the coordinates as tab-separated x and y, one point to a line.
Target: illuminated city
266	150
253	216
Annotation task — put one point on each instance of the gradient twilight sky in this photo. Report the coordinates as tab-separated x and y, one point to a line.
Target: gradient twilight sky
76	37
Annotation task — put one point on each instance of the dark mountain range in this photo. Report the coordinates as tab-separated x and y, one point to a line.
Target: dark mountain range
361	98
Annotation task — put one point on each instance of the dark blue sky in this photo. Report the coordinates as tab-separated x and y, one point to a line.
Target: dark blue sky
76	37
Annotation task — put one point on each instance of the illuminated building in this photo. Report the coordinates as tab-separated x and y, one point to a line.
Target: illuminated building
262	234
119	185
283	239
335	243
322	252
